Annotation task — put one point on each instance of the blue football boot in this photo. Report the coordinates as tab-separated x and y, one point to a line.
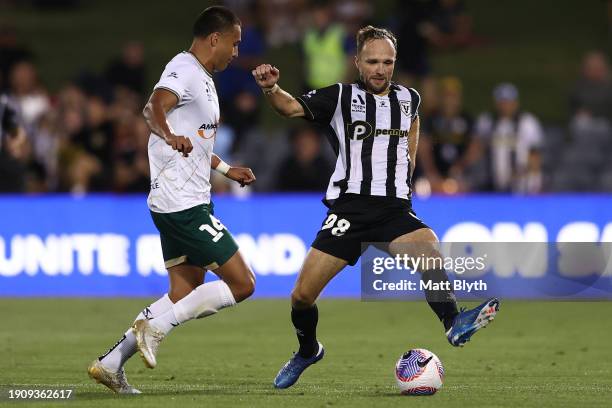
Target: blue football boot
468	322
289	374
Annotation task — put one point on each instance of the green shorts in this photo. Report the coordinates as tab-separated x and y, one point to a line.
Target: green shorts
194	236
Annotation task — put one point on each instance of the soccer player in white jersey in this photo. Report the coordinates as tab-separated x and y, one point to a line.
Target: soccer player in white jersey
374	129
183	114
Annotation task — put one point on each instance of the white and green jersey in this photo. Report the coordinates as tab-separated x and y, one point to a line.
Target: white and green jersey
178	182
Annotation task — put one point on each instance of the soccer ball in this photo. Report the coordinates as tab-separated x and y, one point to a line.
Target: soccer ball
419	372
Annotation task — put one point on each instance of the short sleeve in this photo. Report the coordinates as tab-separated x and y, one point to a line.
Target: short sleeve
179	79
319	105
415	103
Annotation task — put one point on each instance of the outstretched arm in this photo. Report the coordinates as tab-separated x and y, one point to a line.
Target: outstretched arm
283	102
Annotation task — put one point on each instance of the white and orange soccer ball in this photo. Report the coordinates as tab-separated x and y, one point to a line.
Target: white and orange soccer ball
419	372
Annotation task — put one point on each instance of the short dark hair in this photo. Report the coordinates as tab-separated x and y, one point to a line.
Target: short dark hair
214	19
368	33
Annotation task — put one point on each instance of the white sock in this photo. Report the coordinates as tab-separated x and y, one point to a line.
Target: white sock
205	300
126	346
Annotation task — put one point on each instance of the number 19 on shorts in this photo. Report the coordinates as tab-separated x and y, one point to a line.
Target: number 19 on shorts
216	231
338	226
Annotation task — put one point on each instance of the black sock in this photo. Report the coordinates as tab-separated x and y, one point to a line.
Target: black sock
443	302
305	323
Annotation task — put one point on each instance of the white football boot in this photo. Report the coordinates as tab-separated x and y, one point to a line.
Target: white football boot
116	381
147	340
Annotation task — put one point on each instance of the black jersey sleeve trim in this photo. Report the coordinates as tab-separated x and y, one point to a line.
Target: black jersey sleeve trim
308	115
320	105
178	97
416	102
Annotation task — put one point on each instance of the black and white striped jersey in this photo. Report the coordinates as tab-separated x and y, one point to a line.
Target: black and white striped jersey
369	134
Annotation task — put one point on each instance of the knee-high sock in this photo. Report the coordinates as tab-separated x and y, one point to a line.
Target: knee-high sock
205	300
126	346
305	323
442	301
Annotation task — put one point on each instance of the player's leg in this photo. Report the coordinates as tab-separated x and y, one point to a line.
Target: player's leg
459	325
424	242
195	301
318	269
108	368
201	239
236	284
183	279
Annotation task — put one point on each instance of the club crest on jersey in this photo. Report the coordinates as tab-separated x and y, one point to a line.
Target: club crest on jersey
405	107
208	126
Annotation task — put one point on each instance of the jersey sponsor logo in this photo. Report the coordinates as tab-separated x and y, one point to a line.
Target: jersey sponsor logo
405	107
360	130
208	126
173	75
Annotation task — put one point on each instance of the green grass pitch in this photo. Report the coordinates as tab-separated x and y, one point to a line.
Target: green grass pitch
535	354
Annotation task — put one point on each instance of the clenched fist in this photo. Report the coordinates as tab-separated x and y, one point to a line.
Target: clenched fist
242	175
266	75
181	144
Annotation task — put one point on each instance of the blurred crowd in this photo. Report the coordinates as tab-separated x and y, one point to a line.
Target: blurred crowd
90	135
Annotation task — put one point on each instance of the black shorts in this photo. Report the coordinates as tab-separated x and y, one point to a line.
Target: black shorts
354	219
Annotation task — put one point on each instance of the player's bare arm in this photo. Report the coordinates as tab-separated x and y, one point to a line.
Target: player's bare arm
160	103
283	102
242	175
413	142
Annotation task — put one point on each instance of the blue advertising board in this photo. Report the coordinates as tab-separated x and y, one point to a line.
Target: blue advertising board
106	245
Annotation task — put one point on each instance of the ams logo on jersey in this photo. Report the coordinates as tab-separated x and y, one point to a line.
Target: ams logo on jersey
212	127
360	130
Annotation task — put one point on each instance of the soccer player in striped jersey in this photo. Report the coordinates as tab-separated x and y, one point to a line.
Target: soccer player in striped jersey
373	126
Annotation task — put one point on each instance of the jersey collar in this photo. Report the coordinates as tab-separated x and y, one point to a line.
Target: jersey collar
392	87
198	61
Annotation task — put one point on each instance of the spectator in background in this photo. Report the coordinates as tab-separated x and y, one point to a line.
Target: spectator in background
33	105
10	54
413	67
446	146
327	48
443	24
282	25
131	164
512	139
13	149
354	14
129	71
305	169
239	95
30	96
591	97
449	26
88	152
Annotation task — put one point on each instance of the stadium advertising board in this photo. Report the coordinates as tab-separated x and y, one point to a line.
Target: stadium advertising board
108	246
